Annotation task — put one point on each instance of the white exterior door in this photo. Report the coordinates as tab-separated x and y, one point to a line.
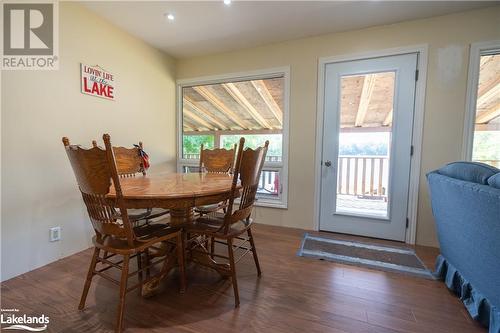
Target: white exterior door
366	153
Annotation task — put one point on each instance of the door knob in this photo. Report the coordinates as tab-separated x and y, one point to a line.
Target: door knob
328	163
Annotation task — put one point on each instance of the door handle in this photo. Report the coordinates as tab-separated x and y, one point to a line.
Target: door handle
328	163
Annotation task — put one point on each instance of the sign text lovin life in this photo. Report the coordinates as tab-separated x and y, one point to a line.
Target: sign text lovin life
97	82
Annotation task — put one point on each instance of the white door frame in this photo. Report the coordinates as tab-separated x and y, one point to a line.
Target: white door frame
476	50
418	122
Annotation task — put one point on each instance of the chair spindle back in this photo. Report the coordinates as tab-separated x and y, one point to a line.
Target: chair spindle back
249	163
94	170
128	160
218	160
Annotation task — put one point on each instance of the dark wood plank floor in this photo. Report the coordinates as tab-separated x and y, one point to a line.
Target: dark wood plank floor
294	294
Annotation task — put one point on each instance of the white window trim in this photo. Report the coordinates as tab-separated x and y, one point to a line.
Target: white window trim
282	201
476	51
418	125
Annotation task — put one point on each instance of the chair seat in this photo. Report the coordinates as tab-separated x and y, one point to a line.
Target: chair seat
211	225
207	209
155	229
146	236
146	214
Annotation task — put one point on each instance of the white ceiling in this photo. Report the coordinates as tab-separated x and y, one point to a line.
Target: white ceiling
210	26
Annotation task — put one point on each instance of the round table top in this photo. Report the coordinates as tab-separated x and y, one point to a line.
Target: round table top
173	185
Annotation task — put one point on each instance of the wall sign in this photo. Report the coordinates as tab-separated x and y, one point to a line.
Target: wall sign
96	81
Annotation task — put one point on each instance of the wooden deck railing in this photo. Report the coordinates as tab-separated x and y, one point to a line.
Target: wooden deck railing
269	158
192	156
363	175
269	183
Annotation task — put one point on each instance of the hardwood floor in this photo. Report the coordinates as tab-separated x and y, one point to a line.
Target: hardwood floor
294	294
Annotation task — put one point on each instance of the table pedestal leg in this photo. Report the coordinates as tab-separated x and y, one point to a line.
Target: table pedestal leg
181	216
150	287
201	256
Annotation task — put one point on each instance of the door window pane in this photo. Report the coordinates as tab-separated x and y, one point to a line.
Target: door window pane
364	144
486	146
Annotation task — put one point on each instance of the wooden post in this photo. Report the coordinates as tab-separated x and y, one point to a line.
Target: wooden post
348	175
356	160
340	176
372	174
380	169
363	177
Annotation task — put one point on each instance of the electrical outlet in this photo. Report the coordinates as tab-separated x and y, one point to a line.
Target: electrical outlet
55	234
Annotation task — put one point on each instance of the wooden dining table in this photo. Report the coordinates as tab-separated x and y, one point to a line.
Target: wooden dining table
179	193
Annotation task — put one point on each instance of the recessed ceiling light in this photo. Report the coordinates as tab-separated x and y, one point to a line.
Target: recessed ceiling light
170	16
227	2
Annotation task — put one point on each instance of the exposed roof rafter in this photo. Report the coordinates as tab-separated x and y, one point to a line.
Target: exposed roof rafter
235	132
488	95
198	120
366	94
188	125
217	103
238	97
388	119
261	88
187	128
488	115
197	108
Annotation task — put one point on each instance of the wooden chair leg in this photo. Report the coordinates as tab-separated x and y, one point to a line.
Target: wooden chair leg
254	252
206	242
147	262
139	268
181	262
212	247
88	281
233	272
123	292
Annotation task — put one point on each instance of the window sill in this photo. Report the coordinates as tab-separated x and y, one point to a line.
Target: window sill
271	204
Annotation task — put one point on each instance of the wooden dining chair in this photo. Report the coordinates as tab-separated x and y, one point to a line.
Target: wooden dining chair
218	160
129	163
224	228
95	170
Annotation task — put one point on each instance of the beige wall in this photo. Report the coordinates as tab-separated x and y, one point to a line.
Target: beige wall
448	38
38	108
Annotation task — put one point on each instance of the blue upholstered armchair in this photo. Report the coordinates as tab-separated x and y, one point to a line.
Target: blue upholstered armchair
465	199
